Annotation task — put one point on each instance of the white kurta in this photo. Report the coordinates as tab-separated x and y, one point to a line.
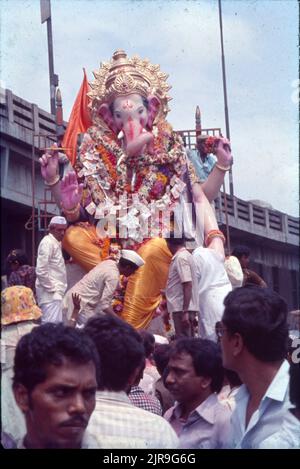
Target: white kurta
51	278
213	286
95	289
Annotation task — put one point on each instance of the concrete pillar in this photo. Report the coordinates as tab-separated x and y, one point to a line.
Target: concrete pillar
250	206
35	114
284	226
4	166
9	102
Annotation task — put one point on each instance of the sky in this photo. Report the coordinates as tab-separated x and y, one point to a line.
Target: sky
261	53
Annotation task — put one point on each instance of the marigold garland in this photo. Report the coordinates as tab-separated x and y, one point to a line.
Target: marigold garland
151	180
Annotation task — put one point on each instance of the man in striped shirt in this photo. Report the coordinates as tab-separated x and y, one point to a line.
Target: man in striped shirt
116	422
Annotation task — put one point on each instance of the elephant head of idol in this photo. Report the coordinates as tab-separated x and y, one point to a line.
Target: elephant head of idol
129	96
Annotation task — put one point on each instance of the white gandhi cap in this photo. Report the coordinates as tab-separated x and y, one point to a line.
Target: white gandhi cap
58	221
132	256
159	339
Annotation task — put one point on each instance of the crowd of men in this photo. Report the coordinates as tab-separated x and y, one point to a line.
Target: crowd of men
75	375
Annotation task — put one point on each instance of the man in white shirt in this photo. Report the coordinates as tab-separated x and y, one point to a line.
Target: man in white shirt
97	287
253	334
51	276
116	422
181	289
212	287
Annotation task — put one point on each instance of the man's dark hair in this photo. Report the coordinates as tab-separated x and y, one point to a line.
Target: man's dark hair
240	251
120	349
206	356
126	263
259	315
175	241
148	341
17	255
49	344
232	378
161	357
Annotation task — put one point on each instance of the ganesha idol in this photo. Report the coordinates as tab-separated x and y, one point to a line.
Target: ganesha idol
131	166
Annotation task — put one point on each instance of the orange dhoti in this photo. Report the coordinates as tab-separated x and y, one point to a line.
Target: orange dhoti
143	288
84	246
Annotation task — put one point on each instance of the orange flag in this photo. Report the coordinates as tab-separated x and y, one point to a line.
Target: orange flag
79	121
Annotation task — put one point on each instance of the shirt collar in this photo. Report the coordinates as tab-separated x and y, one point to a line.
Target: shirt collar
179	250
279	385
277	388
113	396
205	410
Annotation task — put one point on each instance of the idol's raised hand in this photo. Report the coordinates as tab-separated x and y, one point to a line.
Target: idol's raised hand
223	152
71	191
49	164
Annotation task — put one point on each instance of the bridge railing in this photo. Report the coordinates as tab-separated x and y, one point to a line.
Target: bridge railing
261	217
27	115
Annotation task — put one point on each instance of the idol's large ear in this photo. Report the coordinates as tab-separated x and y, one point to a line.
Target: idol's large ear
105	113
153	108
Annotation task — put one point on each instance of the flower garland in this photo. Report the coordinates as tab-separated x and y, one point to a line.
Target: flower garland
152	180
119	295
156	178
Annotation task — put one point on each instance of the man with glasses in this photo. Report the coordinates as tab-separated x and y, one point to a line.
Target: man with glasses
253	334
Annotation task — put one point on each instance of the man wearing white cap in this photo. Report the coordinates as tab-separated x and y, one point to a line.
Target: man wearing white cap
97	287
51	276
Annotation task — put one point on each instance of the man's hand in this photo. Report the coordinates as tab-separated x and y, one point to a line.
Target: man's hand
185	320
223	152
166	317
76	308
71	191
76	301
49	164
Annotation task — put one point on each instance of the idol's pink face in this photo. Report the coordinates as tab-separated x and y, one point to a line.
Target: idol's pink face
130	115
134	115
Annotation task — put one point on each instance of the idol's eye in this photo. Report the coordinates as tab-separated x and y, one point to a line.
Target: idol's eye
118	115
141	110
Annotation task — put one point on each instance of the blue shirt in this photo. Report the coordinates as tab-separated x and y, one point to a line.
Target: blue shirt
267	419
204	428
288	437
202	168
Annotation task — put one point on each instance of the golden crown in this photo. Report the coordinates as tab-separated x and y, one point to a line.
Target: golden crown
122	76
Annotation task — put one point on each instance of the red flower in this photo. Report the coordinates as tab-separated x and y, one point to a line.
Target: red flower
210	144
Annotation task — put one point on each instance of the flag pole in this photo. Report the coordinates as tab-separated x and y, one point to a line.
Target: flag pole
53	78
225	92
227	130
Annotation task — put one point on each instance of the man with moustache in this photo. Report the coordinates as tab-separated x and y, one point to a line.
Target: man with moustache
55	385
